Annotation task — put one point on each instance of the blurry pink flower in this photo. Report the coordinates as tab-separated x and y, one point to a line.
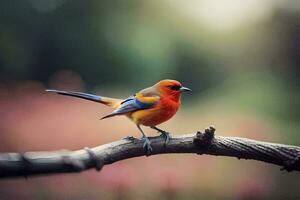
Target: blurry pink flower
169	179
253	189
116	176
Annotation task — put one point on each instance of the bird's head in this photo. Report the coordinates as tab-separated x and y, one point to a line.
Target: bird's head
171	88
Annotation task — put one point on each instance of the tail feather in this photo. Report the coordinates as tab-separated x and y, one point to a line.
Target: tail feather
112	102
107	116
90	97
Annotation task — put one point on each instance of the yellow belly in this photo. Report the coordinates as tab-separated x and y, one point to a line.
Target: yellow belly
153	116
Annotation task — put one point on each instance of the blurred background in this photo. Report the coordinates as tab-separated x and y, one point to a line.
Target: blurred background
240	57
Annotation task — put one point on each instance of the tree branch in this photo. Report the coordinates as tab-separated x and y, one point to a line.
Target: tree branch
47	162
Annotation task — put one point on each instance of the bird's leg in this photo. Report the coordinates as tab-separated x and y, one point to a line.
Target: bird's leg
164	134
147	143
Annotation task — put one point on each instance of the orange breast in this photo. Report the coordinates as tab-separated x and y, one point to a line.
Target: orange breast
157	115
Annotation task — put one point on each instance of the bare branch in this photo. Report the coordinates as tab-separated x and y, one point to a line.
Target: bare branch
47	162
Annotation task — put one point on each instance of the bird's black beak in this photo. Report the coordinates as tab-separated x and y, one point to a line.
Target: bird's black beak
185	89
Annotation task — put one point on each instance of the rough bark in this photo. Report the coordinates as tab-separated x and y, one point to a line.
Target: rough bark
49	162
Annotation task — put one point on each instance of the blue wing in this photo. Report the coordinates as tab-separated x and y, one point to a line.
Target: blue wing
134	103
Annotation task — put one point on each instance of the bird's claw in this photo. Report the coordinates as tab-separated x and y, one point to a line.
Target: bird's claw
147	145
166	136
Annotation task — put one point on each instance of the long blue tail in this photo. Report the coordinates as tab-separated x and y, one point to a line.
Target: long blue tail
81	95
111	102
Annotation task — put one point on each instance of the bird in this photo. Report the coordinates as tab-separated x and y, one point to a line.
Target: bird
148	107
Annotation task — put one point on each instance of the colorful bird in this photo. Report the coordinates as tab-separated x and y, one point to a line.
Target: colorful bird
149	107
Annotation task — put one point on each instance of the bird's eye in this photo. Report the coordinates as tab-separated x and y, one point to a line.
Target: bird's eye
175	87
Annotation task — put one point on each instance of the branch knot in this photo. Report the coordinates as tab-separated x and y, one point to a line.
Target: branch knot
75	164
203	140
26	164
94	158
290	165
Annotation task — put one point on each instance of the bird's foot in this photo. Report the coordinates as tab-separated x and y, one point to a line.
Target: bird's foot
147	145
166	136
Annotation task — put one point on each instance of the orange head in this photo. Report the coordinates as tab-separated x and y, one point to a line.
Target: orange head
171	88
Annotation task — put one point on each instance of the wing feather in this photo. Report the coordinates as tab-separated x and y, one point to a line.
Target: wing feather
135	102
